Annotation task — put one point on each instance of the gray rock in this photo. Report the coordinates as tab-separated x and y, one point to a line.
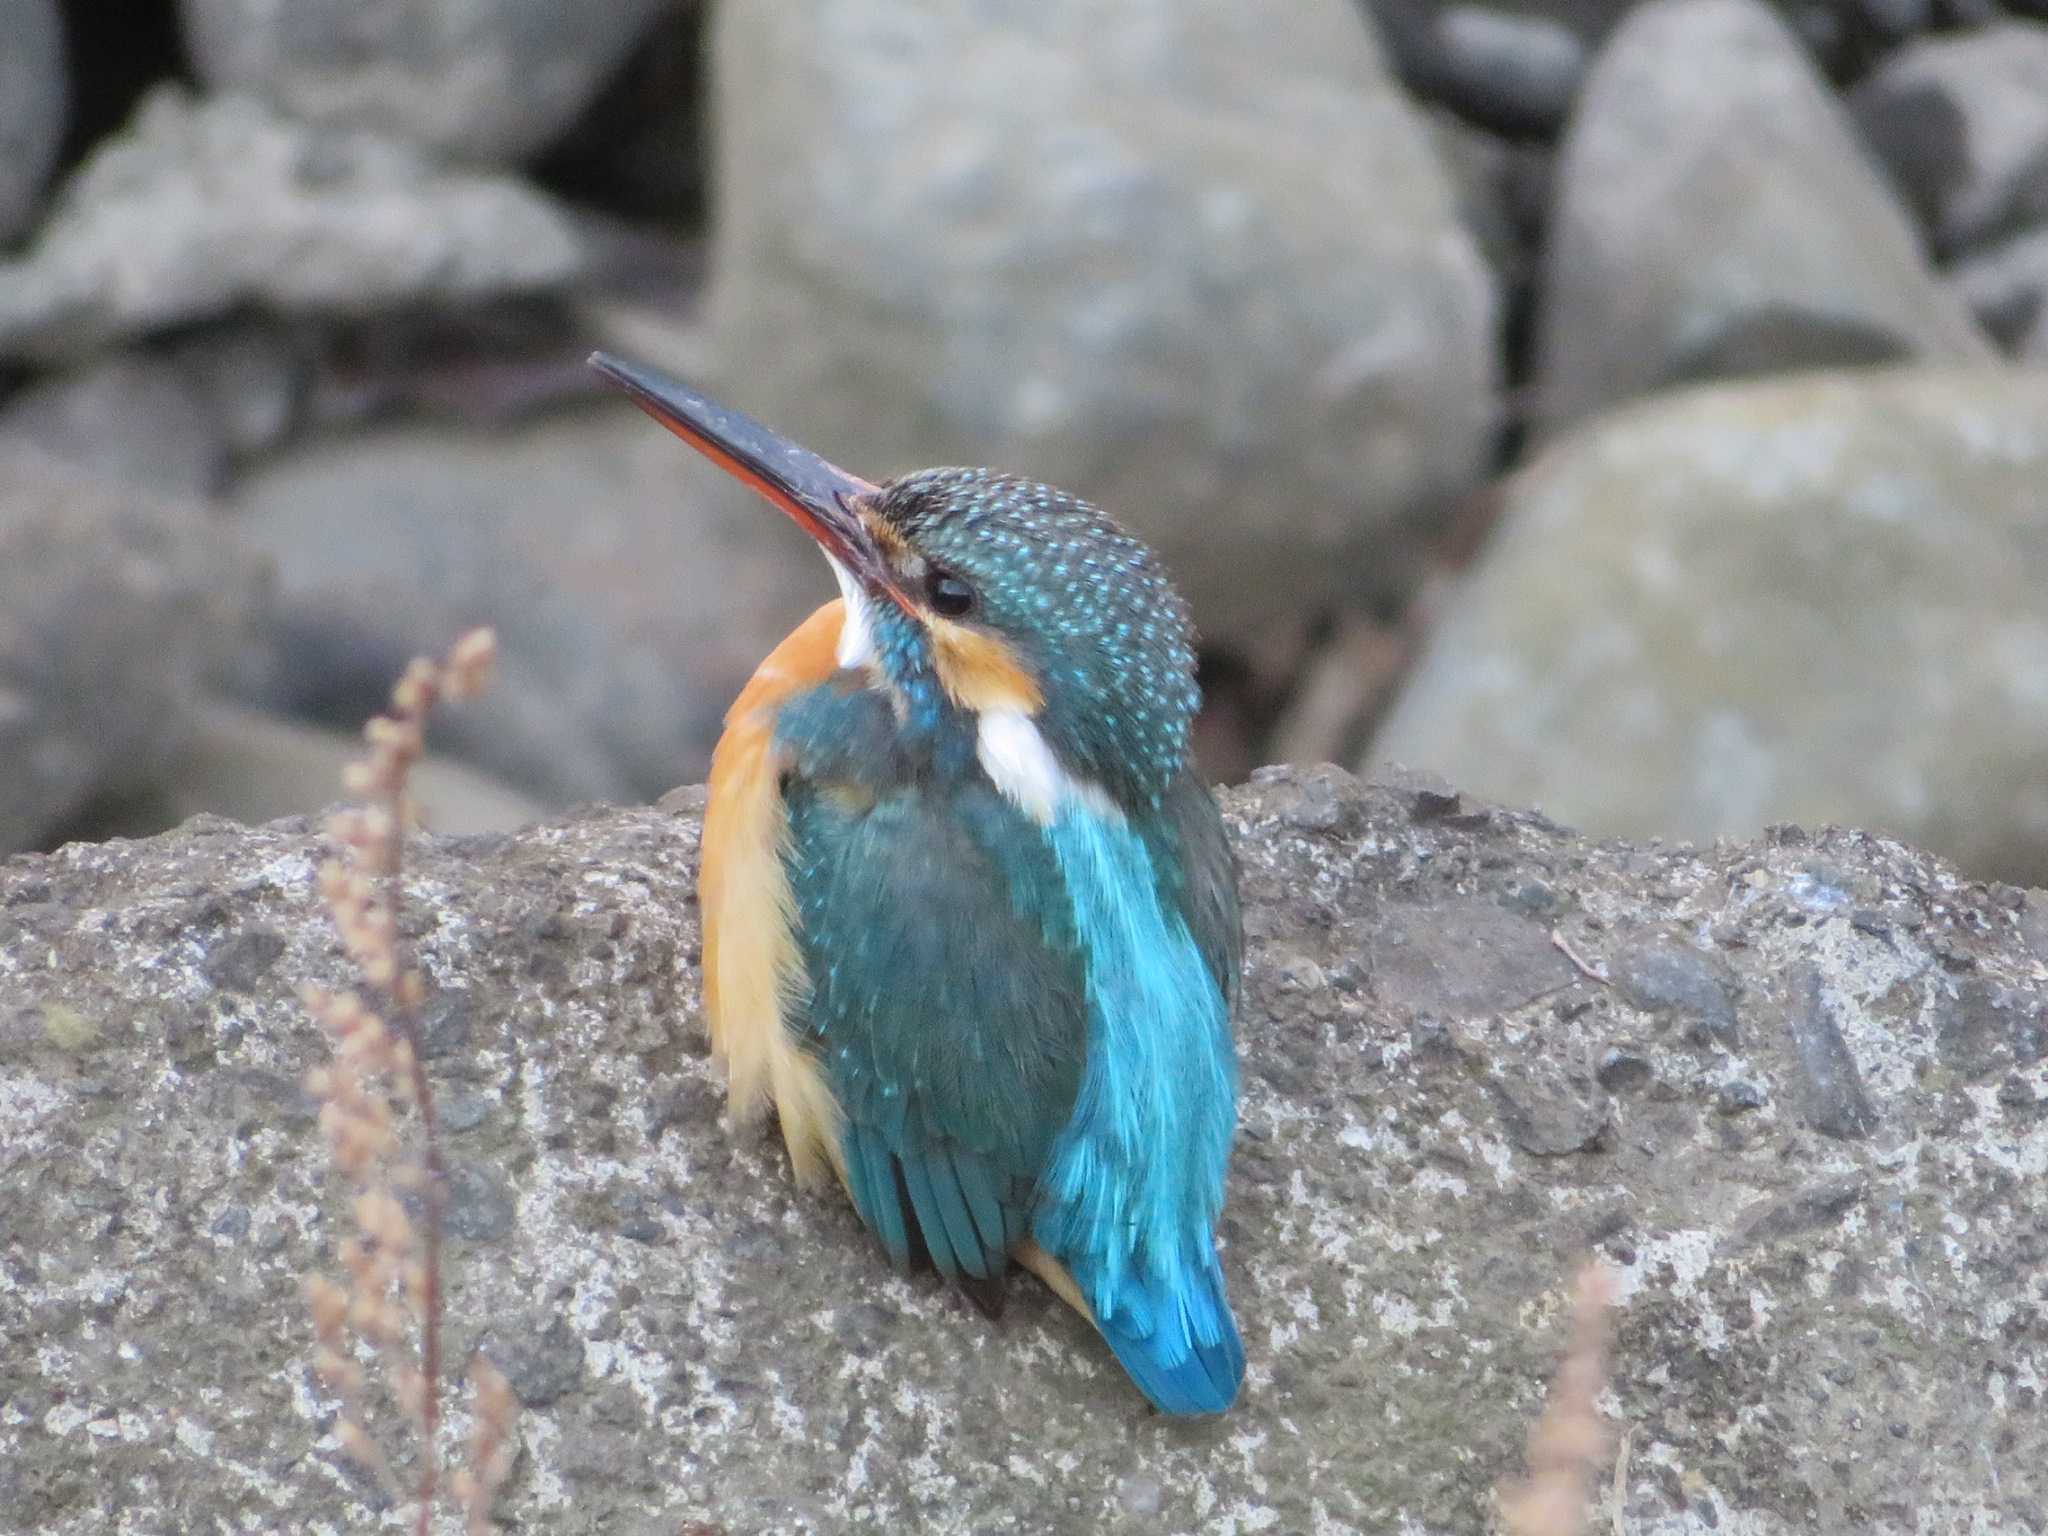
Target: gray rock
643	146
112	608
35	103
1961	122
1503	192
253	377
631	596
175	415
201	207
1716	217
1897	18
1836	31
1515	73
1418	1170
1678	981
489	80
1816	599
252	767
1195	261
134	418
2007	286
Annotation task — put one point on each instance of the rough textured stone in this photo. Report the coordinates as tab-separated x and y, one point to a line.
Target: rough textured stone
631	596
1815	599
1716	217
1961	122
34	101
486	79
1195	261
112	607
1810	1324
204	206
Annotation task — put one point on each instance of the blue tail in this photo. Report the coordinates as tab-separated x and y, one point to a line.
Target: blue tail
1176	1338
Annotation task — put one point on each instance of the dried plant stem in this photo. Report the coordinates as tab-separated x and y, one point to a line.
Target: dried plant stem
1567	1442
379	1061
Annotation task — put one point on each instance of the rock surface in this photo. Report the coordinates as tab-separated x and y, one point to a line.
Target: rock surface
249	767
34	101
1813	599
1715	217
201	207
2007	286
1198	262
1514	73
135	418
1961	122
112	608
1807	1125
632	597
488	80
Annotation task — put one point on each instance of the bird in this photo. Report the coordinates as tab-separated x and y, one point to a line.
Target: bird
970	915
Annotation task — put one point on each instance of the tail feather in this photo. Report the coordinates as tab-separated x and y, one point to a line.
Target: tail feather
1203	1381
1175	1336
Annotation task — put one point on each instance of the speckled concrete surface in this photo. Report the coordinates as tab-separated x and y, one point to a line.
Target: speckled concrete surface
1805	1115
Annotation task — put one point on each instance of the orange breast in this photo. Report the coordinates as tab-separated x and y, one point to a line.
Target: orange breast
752	969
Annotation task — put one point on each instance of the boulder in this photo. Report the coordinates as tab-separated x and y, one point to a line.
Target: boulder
1821	598
35	104
202	207
1197	262
1716	217
1804	1120
483	80
1961	123
250	766
2007	286
113	607
1510	71
135	418
632	597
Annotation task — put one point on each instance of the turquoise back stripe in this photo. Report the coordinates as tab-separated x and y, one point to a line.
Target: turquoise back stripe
1135	1180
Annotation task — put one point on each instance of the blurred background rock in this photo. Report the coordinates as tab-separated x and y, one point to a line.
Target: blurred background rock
1617	408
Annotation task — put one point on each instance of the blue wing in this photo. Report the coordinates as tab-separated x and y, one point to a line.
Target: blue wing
946	991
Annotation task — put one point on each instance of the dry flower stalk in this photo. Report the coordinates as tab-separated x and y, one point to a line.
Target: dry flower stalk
1568	1441
392	1291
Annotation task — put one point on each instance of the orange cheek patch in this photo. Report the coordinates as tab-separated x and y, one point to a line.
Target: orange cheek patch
979	671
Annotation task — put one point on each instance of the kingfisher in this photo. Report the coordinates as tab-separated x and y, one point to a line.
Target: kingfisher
970	918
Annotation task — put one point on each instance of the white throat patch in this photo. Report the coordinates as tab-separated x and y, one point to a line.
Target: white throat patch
857	632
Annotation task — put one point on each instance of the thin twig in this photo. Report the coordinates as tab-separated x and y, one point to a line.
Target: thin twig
1585	967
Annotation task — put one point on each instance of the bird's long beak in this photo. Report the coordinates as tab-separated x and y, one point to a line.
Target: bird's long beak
823	499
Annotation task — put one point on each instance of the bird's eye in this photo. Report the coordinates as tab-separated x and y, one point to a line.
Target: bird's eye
950	597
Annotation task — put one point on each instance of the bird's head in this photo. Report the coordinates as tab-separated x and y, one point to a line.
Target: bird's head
976	594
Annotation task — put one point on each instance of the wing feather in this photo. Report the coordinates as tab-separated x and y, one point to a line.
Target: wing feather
947	1003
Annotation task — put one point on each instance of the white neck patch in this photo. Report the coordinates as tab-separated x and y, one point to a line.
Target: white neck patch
1013	752
857	631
